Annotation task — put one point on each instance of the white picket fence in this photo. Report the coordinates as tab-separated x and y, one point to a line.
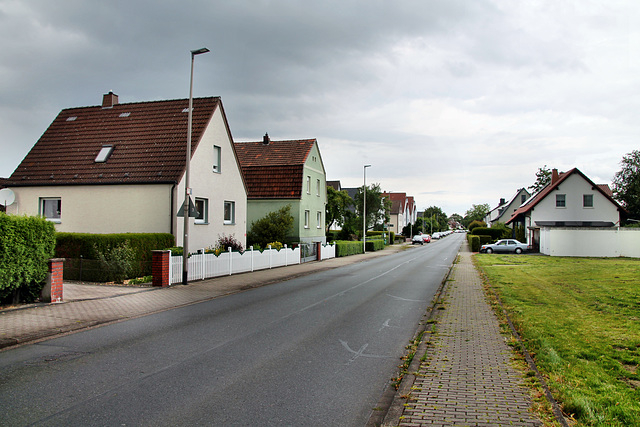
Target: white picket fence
204	266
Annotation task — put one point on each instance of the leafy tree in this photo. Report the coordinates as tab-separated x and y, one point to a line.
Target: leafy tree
626	184
543	178
273	227
338	203
476	213
377	207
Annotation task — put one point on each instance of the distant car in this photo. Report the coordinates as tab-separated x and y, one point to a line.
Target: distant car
426	238
436	235
505	246
417	239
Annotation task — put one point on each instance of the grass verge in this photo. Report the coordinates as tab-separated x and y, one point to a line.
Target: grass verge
580	319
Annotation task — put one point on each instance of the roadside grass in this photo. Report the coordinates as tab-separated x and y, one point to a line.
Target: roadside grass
580	320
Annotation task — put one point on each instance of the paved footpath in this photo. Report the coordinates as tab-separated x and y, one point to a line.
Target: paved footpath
467	378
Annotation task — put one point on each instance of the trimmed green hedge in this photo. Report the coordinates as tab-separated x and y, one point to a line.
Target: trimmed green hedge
494	233
346	248
379	234
87	254
375	245
474	242
26	245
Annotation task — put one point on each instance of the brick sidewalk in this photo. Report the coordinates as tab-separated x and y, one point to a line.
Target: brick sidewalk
467	378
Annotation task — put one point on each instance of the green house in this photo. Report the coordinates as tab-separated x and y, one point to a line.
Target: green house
280	173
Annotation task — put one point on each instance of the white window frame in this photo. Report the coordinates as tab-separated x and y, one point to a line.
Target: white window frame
584	201
306	218
308	185
318	187
57	216
217	159
319	219
231	219
204	215
564	201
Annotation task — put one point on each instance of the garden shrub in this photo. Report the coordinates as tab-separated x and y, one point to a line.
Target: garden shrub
275	245
475	224
117	262
26	245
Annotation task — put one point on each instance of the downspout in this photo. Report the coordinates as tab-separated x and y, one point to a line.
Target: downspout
171	215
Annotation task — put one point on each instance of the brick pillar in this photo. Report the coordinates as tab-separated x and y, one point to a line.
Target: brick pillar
319	251
160	268
52	291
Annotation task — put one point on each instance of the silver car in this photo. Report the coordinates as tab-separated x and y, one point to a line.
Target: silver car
505	246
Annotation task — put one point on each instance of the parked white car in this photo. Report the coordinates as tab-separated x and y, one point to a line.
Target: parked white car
505	246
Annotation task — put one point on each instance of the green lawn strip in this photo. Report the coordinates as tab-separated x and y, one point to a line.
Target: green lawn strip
580	319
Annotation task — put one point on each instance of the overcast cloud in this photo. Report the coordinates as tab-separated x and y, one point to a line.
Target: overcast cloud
453	102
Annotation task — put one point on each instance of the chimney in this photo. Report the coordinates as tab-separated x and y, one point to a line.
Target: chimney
109	100
266	140
502	202
554	176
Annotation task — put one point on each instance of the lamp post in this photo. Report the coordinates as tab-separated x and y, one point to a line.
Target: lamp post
364	210
187	190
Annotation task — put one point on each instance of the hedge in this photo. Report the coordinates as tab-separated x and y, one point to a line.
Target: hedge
379	234
494	233
474	242
26	245
374	245
86	254
347	247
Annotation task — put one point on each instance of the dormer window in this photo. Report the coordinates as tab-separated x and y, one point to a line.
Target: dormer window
104	153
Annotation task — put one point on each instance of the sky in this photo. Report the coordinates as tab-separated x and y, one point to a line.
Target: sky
453	102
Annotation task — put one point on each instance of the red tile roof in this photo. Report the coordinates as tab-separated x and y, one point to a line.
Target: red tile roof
274	170
149	140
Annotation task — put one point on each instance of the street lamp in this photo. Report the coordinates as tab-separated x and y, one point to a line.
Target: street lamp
364	210
187	190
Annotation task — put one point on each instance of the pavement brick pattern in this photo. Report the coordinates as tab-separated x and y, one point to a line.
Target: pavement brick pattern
467	378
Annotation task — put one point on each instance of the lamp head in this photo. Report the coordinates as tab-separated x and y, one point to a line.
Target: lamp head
199	51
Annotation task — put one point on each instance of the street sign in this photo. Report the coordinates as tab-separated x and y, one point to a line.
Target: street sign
193	213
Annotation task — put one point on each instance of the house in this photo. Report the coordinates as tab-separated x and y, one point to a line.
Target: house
504	210
571	200
120	168
403	211
280	173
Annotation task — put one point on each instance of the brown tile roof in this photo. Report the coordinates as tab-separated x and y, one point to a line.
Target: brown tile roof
149	140
274	170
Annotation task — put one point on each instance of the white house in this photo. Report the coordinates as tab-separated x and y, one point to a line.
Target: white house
118	168
571	200
504	210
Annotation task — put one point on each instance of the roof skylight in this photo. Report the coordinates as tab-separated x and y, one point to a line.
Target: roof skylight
71	118
104	153
125	114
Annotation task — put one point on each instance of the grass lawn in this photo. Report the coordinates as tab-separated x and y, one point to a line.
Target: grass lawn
580	319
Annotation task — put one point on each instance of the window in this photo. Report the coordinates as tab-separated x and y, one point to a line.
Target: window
318	188
319	219
216	159
306	219
229	212
587	200
561	201
523	198
51	208
308	185
202	206
104	153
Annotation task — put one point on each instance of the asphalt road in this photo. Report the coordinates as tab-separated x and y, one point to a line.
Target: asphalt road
317	350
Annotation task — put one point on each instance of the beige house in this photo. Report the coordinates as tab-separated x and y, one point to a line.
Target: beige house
119	168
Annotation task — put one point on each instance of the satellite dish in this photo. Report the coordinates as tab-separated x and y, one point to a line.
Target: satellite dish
7	197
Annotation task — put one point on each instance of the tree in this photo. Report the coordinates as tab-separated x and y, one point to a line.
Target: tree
626	184
434	220
338	203
376	205
476	213
543	178
273	227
